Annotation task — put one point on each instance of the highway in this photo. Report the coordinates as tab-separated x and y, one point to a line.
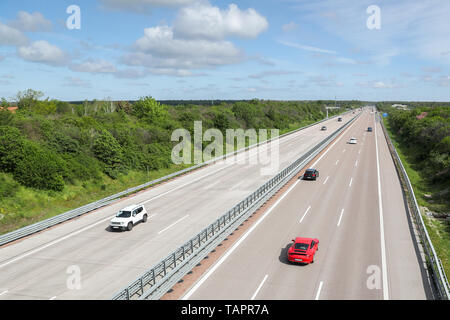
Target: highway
355	208
83	259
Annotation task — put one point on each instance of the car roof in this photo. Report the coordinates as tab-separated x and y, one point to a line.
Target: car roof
309	170
303	240
130	207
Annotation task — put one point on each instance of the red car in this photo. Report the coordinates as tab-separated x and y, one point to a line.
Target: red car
303	250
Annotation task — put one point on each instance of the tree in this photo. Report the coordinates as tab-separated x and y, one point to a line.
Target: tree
40	168
28	99
11	143
150	109
108	150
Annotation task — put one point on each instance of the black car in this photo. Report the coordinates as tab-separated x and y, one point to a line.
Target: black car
340	119
324	128
311	174
369	129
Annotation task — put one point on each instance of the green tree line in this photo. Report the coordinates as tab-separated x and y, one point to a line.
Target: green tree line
51	145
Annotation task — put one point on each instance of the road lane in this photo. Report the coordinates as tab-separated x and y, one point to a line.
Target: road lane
37	266
349	253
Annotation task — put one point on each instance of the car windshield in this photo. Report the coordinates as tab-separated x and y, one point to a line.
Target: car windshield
301	246
124	214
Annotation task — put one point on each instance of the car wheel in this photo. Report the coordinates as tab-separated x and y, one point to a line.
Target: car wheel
144	219
130	226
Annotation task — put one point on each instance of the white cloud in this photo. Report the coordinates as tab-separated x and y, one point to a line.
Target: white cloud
376	84
432	69
42	52
325	81
11	37
76	82
94	66
307	48
271	73
289	26
417	28
159	49
208	22
32	22
143	5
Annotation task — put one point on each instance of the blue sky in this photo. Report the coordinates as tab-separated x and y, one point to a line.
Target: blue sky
211	49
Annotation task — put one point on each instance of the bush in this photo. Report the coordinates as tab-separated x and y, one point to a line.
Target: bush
108	150
8	186
11	143
150	109
40	168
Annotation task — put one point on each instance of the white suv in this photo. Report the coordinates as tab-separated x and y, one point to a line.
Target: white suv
128	217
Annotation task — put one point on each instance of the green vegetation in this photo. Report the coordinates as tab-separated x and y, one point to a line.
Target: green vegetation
423	143
56	156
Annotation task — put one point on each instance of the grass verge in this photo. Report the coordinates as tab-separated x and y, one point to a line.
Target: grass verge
438	229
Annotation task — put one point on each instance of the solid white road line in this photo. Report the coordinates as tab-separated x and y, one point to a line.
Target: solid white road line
340	137
259	287
304	215
380	208
326	180
54	242
167	228
318	290
340	218
231	250
253	227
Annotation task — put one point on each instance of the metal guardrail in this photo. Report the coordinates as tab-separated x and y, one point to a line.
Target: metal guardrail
155	282
434	263
48	223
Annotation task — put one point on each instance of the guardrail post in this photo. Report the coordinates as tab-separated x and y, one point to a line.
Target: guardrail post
174	260
164	267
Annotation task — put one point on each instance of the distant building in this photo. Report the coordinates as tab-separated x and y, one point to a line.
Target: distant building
12	109
400	106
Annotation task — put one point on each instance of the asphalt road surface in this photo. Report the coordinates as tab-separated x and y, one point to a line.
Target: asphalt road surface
83	259
367	246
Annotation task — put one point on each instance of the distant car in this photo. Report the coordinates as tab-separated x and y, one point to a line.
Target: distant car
369	129
323	128
126	218
303	250
311	174
340	119
353	141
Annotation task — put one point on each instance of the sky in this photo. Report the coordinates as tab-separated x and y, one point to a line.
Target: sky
370	50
